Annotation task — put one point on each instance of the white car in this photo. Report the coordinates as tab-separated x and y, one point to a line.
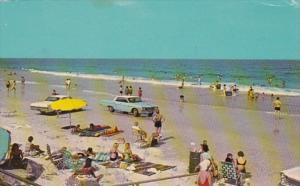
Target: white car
44	106
290	177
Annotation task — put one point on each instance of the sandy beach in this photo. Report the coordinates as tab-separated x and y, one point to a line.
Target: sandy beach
229	124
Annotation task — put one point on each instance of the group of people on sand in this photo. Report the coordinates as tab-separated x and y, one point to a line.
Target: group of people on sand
208	168
128	91
11	85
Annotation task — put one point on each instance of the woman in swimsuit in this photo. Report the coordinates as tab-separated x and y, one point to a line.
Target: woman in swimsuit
241	162
114	152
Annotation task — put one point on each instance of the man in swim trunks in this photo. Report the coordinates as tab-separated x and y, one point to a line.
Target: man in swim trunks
277	105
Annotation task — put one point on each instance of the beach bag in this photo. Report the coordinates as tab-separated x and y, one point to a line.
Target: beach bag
123	165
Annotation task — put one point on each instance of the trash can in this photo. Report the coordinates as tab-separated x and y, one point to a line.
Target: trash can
194	161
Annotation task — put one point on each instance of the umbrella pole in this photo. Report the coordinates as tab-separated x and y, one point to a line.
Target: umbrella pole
70	119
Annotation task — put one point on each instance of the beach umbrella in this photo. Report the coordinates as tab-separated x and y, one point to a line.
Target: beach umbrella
4	144
68	104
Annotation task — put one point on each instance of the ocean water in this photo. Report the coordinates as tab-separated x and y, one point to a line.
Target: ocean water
267	76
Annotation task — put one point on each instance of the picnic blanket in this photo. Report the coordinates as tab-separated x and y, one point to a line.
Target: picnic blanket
143	168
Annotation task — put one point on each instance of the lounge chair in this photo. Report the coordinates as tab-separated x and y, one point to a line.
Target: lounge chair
58	162
230	174
138	133
64	160
151	141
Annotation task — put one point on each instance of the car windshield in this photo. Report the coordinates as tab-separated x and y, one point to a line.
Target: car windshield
134	100
52	99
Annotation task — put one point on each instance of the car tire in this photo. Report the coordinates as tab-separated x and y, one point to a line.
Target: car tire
135	112
150	114
111	109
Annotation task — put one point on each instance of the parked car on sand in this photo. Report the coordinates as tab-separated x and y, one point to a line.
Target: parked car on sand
290	177
129	104
69	104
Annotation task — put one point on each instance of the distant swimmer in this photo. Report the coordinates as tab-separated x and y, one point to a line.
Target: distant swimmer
23	80
182	84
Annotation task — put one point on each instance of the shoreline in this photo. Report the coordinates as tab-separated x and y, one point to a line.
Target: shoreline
228	123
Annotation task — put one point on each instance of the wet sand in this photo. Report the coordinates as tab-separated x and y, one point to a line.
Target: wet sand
229	124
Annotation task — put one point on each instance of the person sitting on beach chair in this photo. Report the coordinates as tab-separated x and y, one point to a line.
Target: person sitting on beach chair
151	141
138	132
31	149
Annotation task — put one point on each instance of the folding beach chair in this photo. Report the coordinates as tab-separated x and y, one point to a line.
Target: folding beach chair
59	162
138	134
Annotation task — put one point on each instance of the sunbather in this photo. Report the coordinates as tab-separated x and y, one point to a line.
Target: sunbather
88	153
32	149
76	129
128	155
114	152
95	128
15	160
88	169
112	130
241	162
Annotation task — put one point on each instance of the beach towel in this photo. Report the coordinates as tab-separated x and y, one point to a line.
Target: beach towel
68	127
112	134
91	133
102	157
34	170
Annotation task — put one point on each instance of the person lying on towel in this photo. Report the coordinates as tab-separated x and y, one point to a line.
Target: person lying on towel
96	128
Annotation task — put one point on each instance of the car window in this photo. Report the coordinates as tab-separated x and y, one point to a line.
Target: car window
52	99
134	100
119	99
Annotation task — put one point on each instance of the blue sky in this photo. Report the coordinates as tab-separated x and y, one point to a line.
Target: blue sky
181	29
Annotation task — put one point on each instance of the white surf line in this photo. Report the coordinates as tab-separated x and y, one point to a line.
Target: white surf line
98	92
283	113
